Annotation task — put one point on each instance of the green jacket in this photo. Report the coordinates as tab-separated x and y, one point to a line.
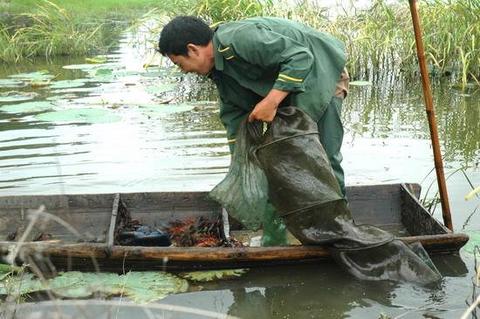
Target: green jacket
254	55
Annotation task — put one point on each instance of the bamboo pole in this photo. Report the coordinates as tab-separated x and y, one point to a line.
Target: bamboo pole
437	156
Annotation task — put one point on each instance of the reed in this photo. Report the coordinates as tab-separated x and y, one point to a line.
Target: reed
51	30
380	38
227	10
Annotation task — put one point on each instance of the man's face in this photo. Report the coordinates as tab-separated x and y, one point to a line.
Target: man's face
199	60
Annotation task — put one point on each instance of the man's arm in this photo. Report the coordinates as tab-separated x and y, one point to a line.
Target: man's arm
260	46
231	117
266	109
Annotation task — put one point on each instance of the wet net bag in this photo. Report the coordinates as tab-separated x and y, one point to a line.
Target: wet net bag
303	189
244	191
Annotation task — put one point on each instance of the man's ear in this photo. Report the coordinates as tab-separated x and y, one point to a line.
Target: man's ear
193	49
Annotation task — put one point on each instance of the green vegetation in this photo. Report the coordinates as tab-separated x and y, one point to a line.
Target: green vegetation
379	38
92	8
32	28
47	31
382	38
227	10
140	287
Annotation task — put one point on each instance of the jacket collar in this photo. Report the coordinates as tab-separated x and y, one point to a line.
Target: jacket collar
218	57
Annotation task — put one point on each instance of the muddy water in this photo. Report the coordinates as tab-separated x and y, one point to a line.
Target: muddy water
120	127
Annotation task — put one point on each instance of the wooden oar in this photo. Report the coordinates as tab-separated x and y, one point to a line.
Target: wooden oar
437	156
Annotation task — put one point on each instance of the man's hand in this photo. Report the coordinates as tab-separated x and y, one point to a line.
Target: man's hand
266	109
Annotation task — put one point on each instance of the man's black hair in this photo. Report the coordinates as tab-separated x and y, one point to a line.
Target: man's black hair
181	31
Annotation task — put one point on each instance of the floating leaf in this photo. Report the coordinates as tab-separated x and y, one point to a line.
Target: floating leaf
474	240
360	83
20	285
27	107
6	269
11	83
67	96
168	109
83	67
474	192
143	287
14	96
103	72
155	72
65	84
36	84
96	60
161	88
34	76
102	75
84	115
140	287
210	275
75	284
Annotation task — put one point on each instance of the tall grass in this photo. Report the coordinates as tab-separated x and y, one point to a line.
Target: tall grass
51	30
227	10
381	37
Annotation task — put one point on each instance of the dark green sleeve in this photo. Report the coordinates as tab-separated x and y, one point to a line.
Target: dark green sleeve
231	117
260	46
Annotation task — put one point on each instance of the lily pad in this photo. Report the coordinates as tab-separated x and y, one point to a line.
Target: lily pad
66	96
37	84
20	285
96	60
83	115
65	84
11	83
16	96
161	88
360	83
472	242
75	284
27	107
6	270
103	72
34	76
211	275
168	109
140	287
102	75
155	72
83	67
143	287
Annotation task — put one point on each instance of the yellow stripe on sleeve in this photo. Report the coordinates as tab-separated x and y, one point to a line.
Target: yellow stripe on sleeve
231	141
223	50
286	77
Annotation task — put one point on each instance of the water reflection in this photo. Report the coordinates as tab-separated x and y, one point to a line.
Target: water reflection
175	132
172	140
322	291
396	110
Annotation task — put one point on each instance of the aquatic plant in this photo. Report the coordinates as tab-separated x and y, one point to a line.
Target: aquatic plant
380	37
227	10
52	30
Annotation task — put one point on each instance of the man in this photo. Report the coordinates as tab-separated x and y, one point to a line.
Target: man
260	64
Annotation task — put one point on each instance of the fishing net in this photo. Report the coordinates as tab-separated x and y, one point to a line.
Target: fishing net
244	192
294	174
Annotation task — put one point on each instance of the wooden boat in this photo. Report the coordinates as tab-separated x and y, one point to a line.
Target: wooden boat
82	228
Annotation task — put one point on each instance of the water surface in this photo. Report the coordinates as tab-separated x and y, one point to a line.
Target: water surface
120	127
